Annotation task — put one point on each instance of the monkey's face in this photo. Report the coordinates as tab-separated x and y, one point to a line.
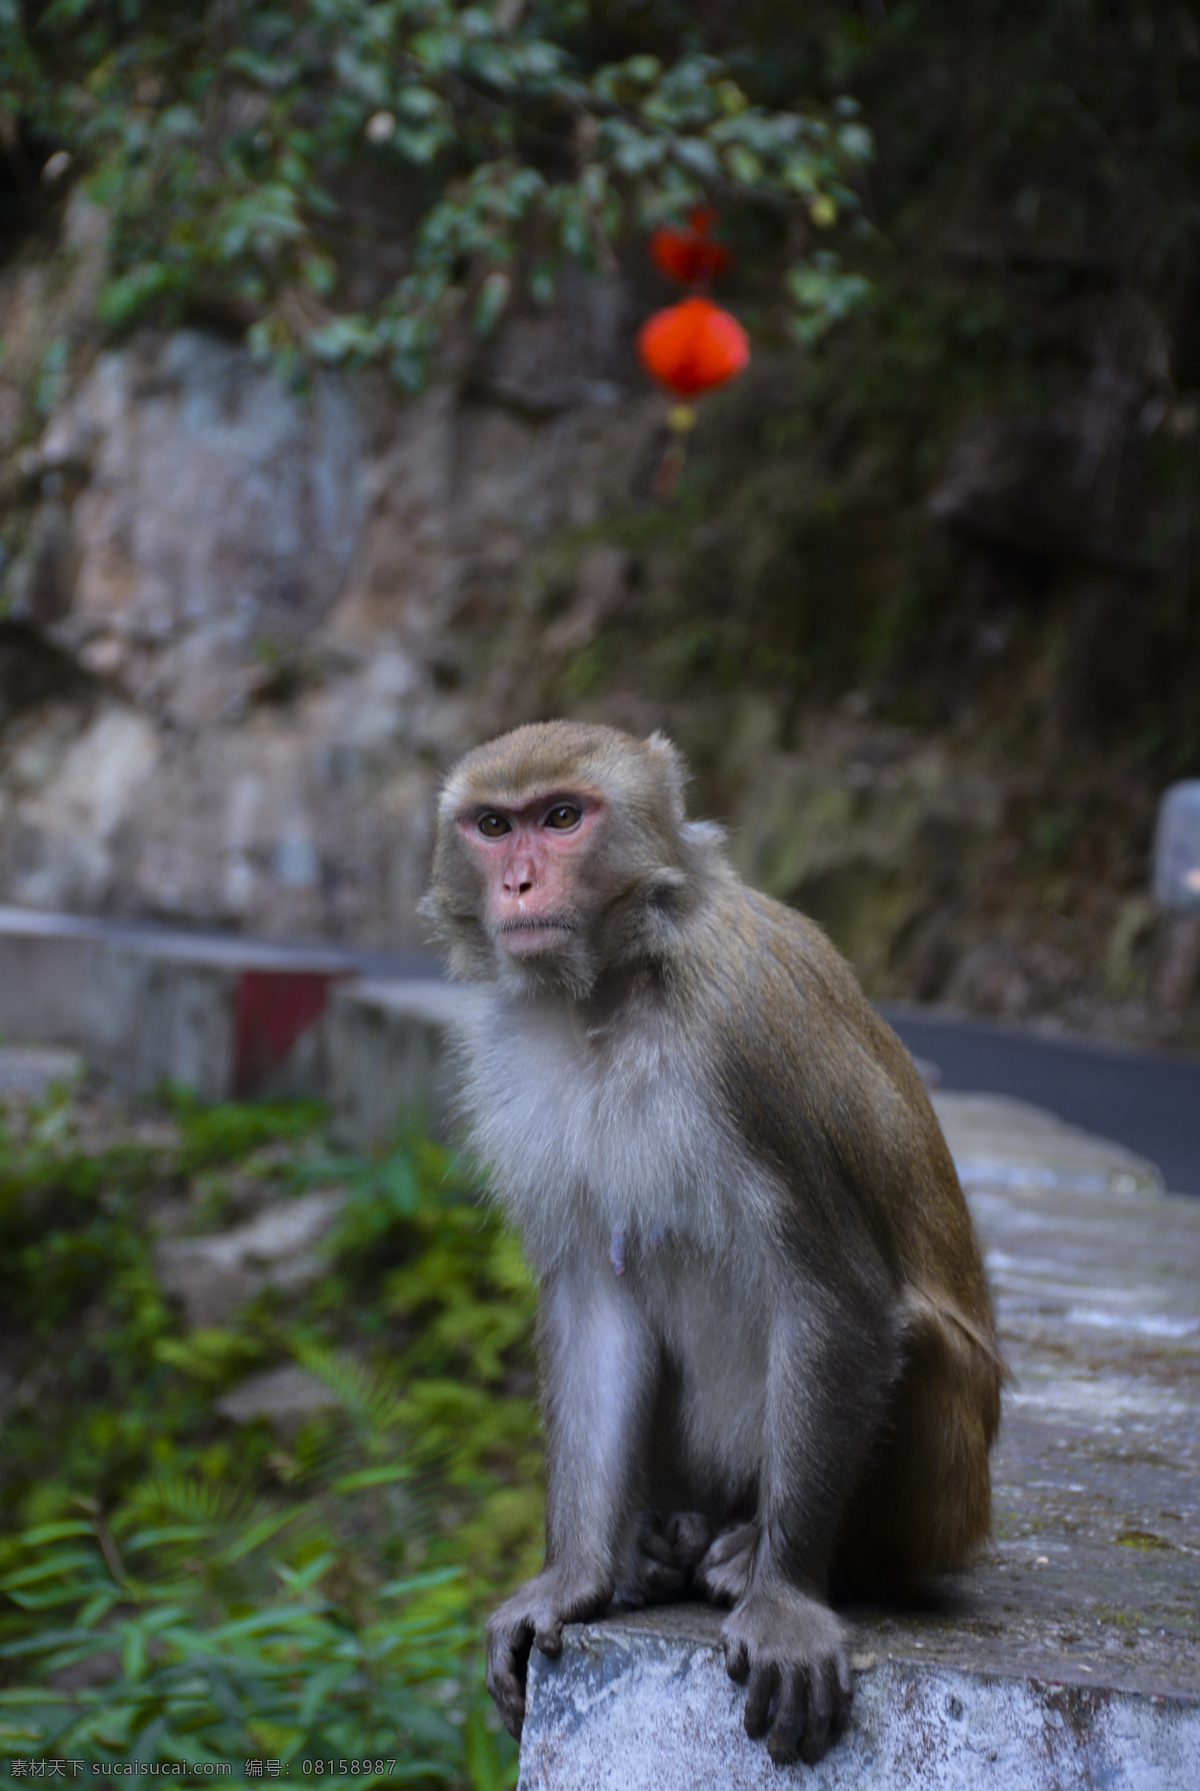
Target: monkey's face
531	861
559	855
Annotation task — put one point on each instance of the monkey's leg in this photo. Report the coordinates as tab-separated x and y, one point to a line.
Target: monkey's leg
599	1362
781	1636
926	1502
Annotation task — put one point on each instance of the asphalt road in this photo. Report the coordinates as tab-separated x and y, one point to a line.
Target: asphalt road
1144	1100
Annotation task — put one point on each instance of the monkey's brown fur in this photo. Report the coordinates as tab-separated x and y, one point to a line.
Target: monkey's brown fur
763	1308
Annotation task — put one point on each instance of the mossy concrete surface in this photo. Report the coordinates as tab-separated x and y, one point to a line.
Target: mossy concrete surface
1069	1654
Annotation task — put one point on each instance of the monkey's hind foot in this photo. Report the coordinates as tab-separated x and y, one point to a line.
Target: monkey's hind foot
663	1557
724	1573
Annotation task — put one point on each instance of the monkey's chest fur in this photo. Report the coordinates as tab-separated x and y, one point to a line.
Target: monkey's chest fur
637	1204
609	1131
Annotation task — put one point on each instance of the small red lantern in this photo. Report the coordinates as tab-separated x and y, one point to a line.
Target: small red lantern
689	256
693	347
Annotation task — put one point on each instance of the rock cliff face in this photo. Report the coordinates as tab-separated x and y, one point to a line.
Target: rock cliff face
247	626
276	610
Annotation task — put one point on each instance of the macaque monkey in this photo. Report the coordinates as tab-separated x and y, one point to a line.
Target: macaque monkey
768	1365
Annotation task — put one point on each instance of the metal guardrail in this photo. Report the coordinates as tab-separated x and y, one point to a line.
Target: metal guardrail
1177	849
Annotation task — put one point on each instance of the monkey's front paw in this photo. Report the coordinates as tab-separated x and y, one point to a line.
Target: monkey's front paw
792	1651
534	1614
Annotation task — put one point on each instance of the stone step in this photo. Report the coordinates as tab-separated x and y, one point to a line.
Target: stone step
31	1072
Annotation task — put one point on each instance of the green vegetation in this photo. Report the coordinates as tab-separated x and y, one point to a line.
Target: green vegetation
254	159
1014	186
1032	242
175	1586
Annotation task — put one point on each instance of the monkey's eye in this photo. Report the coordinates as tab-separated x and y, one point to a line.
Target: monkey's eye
563	815
492	827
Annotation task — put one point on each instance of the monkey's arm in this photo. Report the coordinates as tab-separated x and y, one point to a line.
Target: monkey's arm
828	1377
598	1365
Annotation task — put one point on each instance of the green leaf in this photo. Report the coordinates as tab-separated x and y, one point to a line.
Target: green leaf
54	1566
743	164
855	142
130	295
389	1475
698	156
255	1535
43	1533
489	308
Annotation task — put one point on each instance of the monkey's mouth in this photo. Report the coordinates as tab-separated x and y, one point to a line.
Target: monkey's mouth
532	934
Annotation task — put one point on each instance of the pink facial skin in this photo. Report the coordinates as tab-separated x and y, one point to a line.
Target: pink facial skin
530	859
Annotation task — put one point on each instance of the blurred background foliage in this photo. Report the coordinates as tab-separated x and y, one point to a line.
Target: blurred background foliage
1031	239
994	205
253	155
178	1586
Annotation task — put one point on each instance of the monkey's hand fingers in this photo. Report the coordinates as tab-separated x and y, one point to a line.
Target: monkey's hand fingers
792	1651
534	1614
509	1640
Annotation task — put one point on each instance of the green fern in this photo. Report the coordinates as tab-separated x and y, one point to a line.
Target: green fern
206	1590
367	1396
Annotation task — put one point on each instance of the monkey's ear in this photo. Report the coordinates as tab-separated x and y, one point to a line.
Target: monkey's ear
667	897
665	887
670	771
708	835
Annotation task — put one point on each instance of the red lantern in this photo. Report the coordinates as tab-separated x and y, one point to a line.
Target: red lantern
690	256
693	347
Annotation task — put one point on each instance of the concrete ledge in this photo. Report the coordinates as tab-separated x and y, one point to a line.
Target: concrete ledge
225	1016
228	1018
643	1704
389	1051
44	970
1069	1655
999	1141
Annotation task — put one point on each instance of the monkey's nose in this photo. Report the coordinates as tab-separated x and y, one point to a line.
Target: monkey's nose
518	879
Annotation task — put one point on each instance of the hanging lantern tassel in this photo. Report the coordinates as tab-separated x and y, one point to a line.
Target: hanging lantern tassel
690	348
681	420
